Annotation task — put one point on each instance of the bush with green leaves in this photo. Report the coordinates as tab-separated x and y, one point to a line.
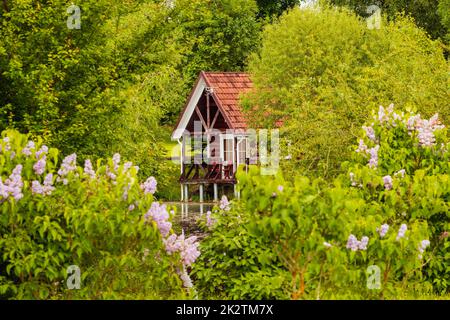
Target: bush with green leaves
97	217
312	239
319	70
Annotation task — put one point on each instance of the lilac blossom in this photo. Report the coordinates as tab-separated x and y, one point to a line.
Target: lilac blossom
387	180
160	215
362	148
373	152
209	220
401	231
13	185
42	151
280	188
224	203
423	245
362	245
7	144
68	165
352	243
28	148
39	166
426	128
88	170
131	207
13	155
184	276
149	186
370	133
127	165
116	161
45	189
188	248
383	230
400	173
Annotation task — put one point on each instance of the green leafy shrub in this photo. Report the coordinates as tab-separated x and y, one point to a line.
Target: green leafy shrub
319	70
316	239
97	218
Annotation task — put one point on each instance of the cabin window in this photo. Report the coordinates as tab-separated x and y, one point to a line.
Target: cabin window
227	146
242	150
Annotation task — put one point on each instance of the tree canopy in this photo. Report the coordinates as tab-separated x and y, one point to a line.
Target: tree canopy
320	70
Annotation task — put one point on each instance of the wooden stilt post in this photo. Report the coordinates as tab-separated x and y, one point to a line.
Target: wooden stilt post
201	192
182	196
186	196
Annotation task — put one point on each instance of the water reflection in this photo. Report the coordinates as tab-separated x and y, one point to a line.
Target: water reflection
187	216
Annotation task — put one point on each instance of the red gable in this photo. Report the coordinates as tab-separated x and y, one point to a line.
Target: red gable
227	88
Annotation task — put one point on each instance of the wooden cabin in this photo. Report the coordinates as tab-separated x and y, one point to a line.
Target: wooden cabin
212	133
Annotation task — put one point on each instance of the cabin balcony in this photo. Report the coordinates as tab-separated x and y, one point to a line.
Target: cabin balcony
215	173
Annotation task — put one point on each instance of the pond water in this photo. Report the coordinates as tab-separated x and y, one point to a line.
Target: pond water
187	216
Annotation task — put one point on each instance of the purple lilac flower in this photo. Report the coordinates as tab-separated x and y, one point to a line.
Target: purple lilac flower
7	144
401	231
188	248
39	166
88	170
280	188
131	207
160	215
426	128
423	245
381	114
383	230
224	203
28	148
411	122
400	173
42	151
36	187
149	186
127	165
209	220
352	243
373	161
116	161
370	133
69	164
362	245
362	148
187	282
13	185
13	155
45	189
387	180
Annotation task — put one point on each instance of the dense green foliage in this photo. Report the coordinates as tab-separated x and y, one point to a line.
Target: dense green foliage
318	71
288	239
92	218
423	11
110	85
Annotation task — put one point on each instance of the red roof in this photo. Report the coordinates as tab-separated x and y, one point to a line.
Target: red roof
227	89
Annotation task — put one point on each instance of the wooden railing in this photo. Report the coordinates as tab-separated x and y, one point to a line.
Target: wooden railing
207	172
